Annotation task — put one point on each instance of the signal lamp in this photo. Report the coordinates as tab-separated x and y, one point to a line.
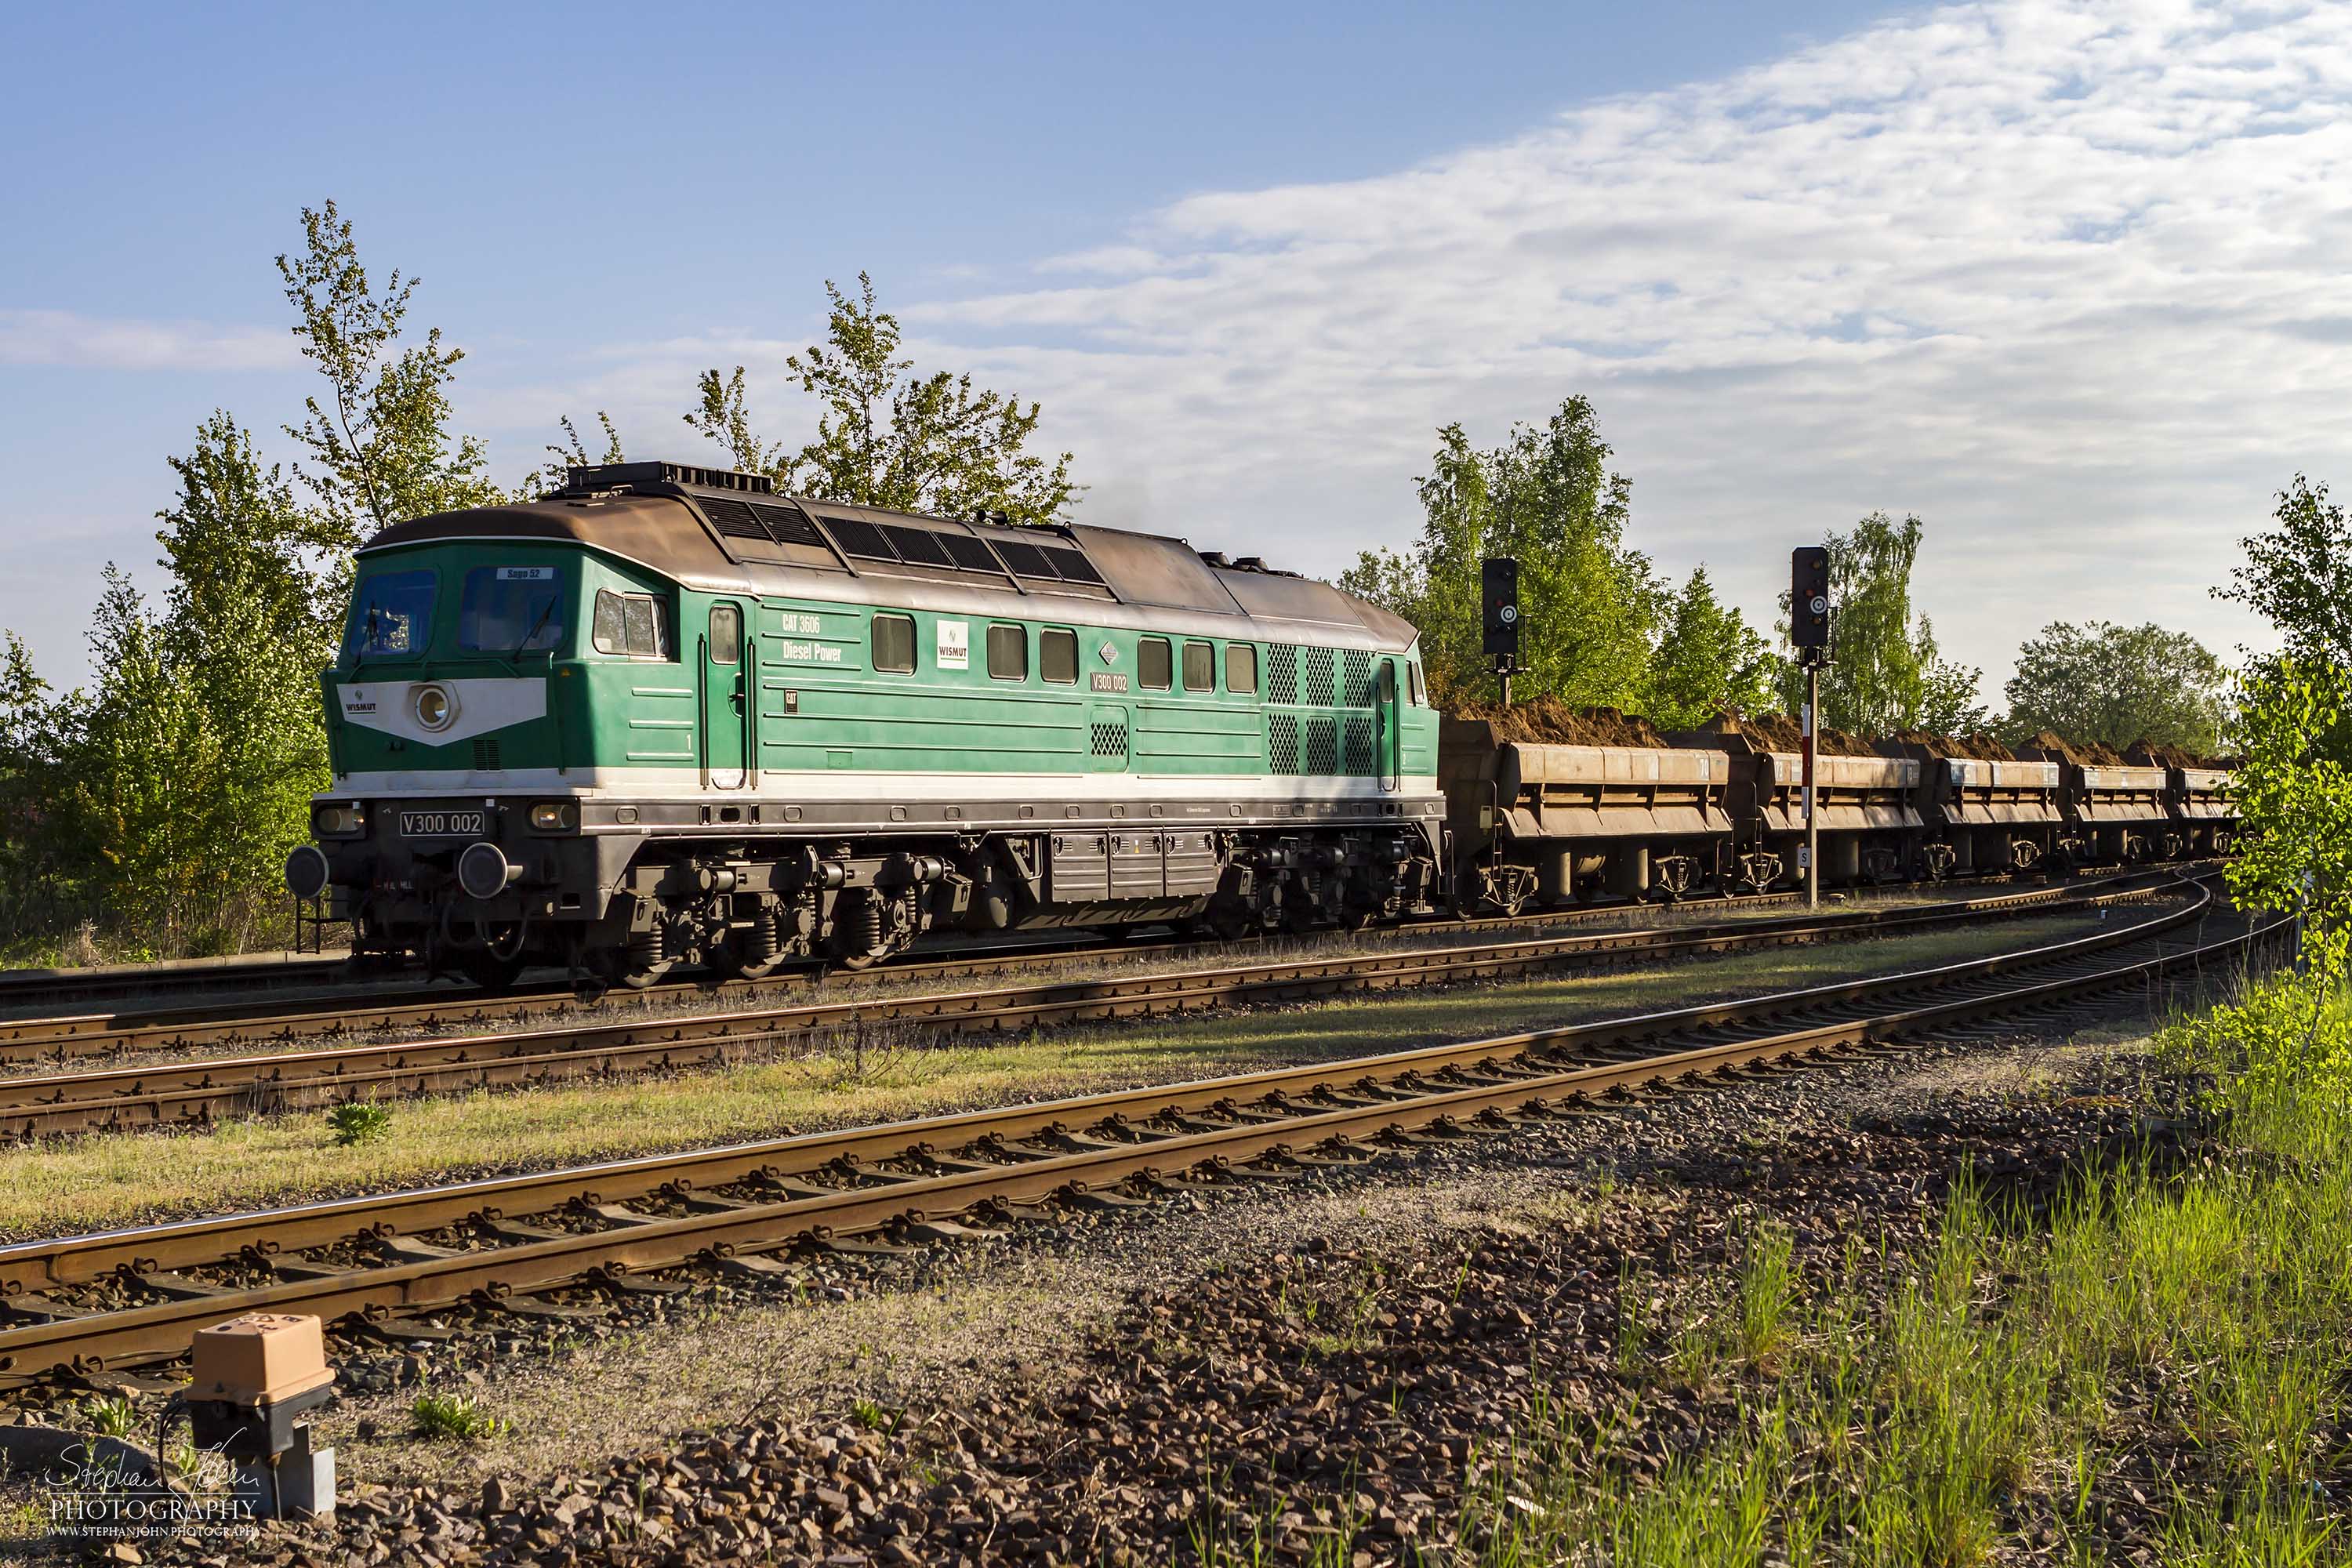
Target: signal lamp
554	816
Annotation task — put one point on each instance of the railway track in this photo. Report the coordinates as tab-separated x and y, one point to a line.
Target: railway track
332	1010
418	1006
194	1094
83	1308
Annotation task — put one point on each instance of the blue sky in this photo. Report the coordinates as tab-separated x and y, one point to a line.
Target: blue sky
2064	281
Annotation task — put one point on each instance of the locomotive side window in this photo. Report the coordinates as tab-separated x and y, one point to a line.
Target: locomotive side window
392	616
1153	664
894	645
1008	653
510	610
1200	667
631	625
726	634
1241	667
1057	656
1420	698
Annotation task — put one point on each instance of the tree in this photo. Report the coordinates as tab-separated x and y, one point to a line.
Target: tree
1590	605
381	442
2298	576
1707	658
2116	684
1888	675
887	437
569	453
2293	789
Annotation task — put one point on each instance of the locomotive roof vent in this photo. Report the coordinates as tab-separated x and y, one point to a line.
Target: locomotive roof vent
631	476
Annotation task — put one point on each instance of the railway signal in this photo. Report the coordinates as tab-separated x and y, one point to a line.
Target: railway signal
1809	603
1809	628
1498	593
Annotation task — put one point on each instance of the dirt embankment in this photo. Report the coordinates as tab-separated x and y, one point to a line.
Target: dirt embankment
2052	747
1979	747
1548	720
1780	733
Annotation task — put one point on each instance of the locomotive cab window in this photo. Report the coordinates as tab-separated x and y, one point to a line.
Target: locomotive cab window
1240	669
726	634
894	645
1200	667
1057	656
510	610
392	616
1153	664
633	626
1008	653
1420	698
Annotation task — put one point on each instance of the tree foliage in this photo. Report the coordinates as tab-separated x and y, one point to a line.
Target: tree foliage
1707	657
1590	605
2293	789
2098	681
887	436
162	800
1887	674
571	453
381	442
159	802
2298	576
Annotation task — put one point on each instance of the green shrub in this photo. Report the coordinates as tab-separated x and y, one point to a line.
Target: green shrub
358	1122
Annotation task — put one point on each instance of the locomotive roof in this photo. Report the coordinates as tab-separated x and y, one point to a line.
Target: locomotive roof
722	531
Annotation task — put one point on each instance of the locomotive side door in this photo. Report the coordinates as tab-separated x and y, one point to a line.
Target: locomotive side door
726	697
1389	741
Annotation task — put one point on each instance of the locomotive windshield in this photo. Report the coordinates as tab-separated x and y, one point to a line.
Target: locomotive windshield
511	609
392	616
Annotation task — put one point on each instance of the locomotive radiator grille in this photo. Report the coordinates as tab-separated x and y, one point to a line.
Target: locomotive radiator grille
1282	742
1320	689
1281	673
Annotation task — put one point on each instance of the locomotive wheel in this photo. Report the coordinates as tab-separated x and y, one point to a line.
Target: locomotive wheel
735	961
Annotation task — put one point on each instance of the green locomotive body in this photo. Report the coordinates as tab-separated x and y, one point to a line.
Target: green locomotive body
668	716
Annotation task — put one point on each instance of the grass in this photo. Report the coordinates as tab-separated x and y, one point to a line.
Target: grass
457	1416
116	1179
2014	1380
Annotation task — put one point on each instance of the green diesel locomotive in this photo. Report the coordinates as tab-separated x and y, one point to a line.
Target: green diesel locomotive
667	717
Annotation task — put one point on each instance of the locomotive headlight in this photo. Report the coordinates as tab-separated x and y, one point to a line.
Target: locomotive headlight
436	707
337	821
554	816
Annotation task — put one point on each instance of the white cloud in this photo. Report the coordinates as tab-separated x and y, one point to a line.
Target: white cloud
2068	280
66	338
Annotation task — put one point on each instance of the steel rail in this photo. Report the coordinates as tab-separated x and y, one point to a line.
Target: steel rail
1017	1155
194	1094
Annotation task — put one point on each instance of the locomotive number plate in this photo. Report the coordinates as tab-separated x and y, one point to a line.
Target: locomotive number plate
441	824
